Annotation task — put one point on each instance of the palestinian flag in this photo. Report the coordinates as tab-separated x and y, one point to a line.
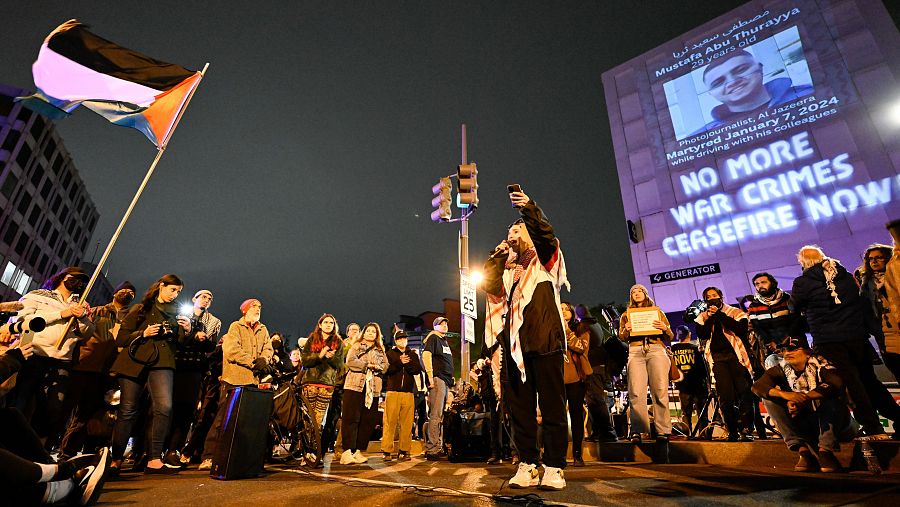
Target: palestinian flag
77	68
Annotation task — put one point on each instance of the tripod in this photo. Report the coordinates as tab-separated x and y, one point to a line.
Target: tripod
713	398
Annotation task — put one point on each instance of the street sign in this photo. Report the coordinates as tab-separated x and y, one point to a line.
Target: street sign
679	274
468	303
470	329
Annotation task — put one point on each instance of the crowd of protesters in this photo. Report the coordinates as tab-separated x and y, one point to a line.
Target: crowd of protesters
548	368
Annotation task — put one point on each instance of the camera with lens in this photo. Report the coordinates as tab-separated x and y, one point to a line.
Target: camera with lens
166	329
694	310
34	324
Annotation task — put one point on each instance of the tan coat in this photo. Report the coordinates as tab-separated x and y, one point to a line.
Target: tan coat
241	345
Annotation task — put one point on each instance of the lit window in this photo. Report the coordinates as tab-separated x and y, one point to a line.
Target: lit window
8	273
22	286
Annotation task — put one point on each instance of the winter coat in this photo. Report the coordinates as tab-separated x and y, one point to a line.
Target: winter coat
401	377
830	322
158	352
358	358
241	345
320	370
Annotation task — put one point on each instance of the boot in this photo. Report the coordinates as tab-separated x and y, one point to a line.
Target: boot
577	459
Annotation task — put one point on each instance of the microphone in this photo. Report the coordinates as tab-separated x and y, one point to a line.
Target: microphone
498	252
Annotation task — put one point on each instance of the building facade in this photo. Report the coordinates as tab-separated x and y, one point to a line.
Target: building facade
47	217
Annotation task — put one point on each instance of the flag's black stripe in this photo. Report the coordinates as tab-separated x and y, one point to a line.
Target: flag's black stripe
101	55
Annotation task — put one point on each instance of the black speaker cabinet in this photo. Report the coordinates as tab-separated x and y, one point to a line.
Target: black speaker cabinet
241	450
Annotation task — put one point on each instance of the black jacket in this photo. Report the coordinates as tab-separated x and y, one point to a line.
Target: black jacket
401	377
541	330
830	322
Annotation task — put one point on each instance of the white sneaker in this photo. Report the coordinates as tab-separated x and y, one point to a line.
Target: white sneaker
554	478
347	458
526	476
359	458
206	465
92	483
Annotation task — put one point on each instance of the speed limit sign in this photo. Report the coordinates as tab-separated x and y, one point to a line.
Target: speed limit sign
467	298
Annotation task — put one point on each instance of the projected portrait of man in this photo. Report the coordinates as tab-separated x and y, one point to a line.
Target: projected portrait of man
736	80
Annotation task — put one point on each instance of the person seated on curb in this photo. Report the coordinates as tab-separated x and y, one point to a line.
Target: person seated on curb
803	398
30	477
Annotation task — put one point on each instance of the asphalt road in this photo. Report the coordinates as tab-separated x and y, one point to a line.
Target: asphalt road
417	482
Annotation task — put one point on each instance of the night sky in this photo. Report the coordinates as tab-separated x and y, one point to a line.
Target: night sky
301	172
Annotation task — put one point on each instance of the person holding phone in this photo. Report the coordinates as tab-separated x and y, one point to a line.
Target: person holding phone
322	358
523	277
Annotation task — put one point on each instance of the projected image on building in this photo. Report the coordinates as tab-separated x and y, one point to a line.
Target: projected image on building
766	129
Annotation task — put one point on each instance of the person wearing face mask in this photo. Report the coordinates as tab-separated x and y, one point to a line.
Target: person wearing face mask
723	331
399	402
281	358
90	376
43	382
246	351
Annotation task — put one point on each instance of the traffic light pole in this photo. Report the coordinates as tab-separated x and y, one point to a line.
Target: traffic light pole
464	270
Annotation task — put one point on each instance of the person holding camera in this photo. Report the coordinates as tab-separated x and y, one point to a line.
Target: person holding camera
723	329
399	402
522	277
148	337
191	364
366	362
321	357
246	355
43	382
648	364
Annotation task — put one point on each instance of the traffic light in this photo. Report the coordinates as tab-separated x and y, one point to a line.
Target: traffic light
441	201
467	177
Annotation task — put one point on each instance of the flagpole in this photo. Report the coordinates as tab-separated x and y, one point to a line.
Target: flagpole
159	153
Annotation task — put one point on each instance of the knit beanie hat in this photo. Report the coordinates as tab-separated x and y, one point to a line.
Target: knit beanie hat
246	304
125	285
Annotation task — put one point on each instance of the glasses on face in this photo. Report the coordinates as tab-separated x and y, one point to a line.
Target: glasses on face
876	258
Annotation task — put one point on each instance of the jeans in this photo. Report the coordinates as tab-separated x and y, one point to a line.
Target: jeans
650	367
437	398
822	427
160	383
